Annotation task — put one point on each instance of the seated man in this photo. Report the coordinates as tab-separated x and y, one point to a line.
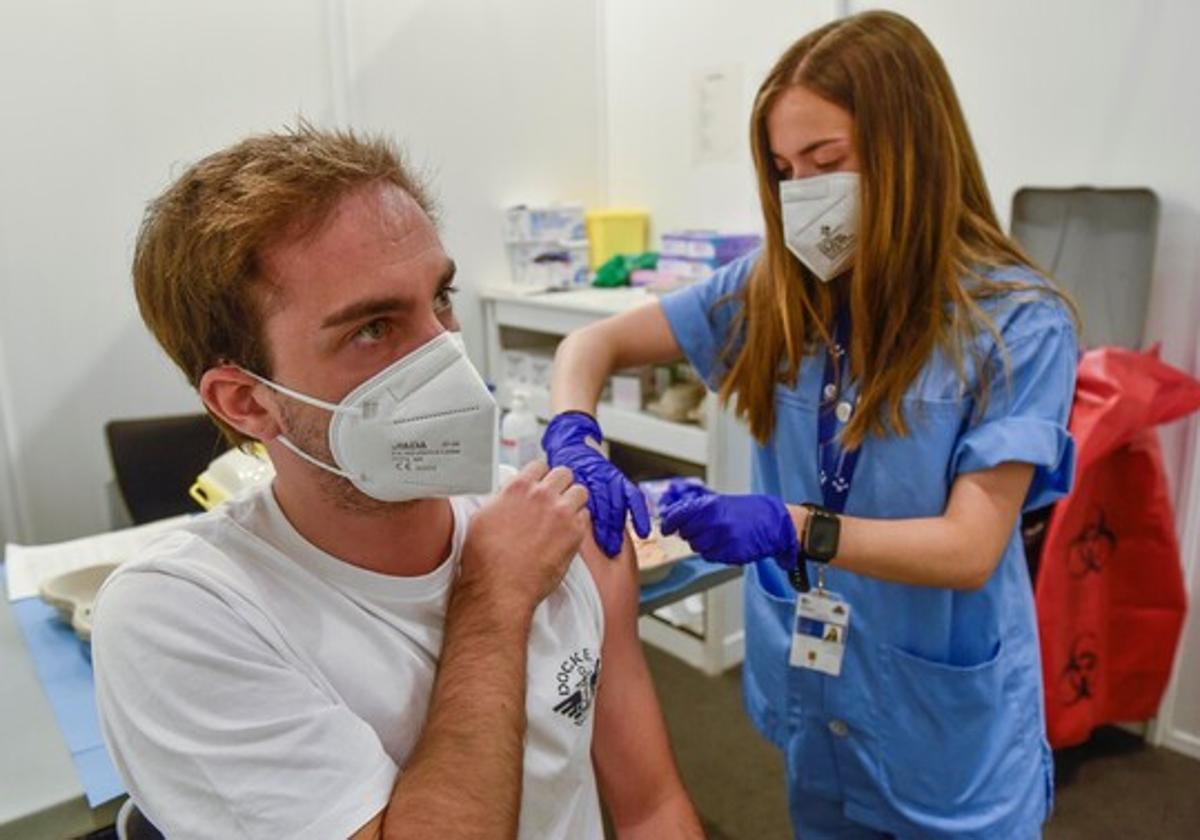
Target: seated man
369	647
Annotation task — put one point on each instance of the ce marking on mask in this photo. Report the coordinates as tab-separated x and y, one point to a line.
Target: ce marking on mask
421	456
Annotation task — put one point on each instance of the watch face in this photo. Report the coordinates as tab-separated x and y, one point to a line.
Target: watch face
822	538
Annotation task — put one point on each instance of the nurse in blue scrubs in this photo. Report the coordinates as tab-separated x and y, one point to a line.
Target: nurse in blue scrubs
907	374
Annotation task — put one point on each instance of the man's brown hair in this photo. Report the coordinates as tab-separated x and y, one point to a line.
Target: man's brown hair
196	267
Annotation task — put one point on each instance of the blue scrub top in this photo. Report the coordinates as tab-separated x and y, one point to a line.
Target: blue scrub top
936	725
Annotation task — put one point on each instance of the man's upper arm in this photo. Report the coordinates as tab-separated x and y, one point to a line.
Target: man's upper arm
630	749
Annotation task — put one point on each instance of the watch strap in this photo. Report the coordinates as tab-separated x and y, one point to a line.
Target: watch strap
798	574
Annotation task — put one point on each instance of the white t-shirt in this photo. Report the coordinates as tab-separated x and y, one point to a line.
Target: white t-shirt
251	685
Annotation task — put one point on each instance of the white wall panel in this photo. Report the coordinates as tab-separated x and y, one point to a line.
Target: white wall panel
496	101
655	52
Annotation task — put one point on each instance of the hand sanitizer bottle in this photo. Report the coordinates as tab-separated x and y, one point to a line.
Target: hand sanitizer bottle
520	434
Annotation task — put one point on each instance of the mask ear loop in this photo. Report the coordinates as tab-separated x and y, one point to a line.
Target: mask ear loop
313	401
316	463
334	408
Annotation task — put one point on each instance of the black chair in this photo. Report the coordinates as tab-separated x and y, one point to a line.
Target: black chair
156	459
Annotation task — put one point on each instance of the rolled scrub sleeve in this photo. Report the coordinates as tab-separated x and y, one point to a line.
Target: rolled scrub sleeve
1028	403
701	316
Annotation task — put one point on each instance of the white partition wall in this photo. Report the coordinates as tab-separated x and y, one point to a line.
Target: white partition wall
676	141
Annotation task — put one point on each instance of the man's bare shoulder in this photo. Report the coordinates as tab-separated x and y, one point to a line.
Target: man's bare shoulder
616	580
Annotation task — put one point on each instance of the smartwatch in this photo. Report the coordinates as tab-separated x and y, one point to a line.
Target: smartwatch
822	528
819	543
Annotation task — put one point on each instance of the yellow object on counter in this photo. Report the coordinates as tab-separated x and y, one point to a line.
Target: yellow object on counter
230	473
616	230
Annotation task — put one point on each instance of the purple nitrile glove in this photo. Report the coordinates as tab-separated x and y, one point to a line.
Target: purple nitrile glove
735	529
611	496
681	489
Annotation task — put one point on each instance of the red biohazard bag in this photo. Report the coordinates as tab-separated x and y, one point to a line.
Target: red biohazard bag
1110	593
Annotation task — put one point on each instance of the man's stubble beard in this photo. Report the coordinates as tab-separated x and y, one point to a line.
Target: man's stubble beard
311	436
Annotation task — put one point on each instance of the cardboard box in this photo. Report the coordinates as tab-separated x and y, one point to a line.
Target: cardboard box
710	245
542	223
549	265
541	368
514	367
631	388
687	269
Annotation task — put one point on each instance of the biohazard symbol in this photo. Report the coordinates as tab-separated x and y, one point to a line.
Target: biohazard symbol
1089	551
1078	676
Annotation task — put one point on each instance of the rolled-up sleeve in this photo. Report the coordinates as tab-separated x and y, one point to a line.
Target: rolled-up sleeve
702	315
1026	412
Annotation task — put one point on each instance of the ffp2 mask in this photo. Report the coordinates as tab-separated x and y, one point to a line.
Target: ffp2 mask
423	427
820	221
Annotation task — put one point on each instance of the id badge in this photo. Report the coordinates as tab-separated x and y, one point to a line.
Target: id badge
819	632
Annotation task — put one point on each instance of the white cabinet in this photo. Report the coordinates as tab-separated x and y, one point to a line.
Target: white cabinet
704	630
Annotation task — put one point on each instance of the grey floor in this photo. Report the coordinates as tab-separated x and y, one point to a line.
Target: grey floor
1115	787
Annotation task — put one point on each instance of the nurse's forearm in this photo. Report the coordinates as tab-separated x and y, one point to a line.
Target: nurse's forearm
922	552
957	550
587	357
582	364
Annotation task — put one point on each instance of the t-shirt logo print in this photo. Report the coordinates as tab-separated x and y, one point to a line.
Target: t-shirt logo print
577	677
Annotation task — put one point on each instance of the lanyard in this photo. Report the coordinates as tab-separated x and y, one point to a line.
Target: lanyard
836	464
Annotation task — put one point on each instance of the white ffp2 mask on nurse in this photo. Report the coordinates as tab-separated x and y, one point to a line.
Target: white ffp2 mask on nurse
423	427
820	221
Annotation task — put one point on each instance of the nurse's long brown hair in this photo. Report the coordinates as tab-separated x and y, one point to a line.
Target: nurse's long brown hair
926	229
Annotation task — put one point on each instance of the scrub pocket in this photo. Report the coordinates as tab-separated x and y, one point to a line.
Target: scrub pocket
952	742
765	670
